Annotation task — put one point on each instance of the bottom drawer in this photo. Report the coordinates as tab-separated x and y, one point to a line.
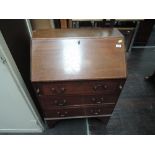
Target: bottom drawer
80	111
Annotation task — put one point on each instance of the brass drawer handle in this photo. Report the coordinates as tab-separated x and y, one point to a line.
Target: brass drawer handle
62	90
120	87
62	115
98	101
38	91
53	90
96	112
60	103
93	99
104	86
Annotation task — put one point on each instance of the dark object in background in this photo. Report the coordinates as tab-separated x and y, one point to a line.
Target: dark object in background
150	78
144	32
57	23
85	24
16	35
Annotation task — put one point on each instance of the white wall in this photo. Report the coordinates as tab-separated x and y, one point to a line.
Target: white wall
17	110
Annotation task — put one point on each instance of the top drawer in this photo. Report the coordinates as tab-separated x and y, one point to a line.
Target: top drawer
79	87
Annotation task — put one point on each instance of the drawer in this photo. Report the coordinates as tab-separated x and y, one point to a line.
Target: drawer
79	87
47	102
80	111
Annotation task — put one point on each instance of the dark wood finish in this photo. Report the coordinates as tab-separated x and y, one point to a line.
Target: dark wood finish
77	33
128	35
70	23
91	110
79	87
77	73
72	59
63	23
63	101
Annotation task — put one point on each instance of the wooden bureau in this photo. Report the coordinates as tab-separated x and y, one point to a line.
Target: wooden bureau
77	72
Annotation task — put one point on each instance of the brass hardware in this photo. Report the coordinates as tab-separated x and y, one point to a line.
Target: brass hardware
104	86
53	89
38	91
55	101
62	103
62	115
95	113
120	87
95	87
120	41
99	101
93	99
62	90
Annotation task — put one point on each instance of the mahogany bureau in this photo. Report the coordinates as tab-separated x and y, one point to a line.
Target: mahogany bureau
77	73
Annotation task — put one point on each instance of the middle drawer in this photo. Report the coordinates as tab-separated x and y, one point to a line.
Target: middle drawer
47	102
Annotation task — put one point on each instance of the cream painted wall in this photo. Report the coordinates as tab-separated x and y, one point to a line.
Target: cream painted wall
17	110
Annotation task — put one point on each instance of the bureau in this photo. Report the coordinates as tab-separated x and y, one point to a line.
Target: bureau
77	73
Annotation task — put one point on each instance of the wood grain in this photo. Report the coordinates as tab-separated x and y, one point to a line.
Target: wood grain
92	110
49	102
63	23
77	33
94	56
88	87
77	72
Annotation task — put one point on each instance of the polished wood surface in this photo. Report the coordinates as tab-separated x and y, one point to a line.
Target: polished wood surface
91	110
77	73
71	59
48	102
87	87
63	23
76	33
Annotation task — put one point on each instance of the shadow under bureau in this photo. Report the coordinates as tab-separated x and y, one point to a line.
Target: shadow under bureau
77	72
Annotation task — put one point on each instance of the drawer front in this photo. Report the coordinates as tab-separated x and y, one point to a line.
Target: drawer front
93	110
47	102
79	87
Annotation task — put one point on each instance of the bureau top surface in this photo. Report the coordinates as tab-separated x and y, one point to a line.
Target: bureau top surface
77	54
76	33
